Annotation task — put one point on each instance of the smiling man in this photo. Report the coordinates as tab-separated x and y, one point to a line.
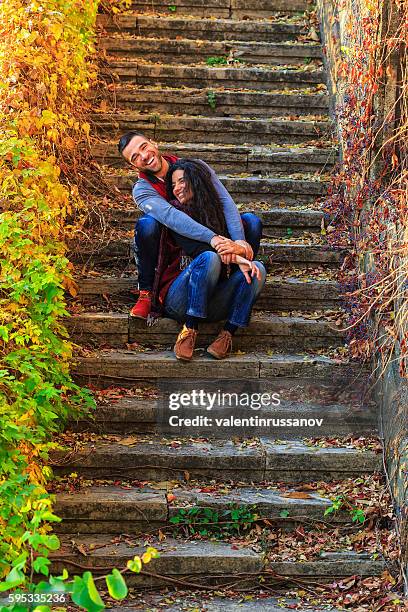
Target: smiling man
150	195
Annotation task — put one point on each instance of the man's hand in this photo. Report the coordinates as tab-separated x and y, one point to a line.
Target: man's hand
225	246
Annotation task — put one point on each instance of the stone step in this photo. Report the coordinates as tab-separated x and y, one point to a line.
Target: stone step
266	330
233	9
150	26
278	294
277	222
131	414
129	367
153	459
183	51
214	130
116	510
205	562
212	102
235	158
303	255
265	78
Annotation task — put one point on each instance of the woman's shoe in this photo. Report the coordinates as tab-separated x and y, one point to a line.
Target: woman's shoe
222	345
185	343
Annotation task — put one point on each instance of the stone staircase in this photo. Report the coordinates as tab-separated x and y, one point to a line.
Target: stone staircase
261	120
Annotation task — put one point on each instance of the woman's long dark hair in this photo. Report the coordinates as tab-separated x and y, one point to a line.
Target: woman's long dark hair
205	206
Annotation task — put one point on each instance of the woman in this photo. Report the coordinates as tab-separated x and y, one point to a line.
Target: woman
204	291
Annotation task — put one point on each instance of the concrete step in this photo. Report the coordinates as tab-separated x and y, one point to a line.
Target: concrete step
203	562
131	414
183	51
265	78
233	9
278	294
114	510
303	255
128	367
277	222
150	26
266	330
212	102
154	459
214	130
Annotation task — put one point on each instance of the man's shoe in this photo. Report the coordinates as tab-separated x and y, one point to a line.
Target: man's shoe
143	305
185	344
222	345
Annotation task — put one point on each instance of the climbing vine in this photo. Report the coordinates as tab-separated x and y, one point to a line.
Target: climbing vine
368	194
45	71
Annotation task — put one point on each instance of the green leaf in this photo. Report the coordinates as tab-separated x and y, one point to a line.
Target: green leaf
116	585
135	565
85	593
284	513
52	542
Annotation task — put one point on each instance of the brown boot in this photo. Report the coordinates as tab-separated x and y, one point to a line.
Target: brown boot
222	345
185	344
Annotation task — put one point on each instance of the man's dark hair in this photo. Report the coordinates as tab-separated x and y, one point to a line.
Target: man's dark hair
126	138
205	207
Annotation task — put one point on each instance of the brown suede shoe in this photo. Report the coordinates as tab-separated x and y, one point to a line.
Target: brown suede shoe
185	344
222	345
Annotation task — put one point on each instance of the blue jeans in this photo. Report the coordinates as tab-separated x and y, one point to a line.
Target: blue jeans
147	239
199	292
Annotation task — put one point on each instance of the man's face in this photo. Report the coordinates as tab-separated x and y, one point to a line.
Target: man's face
143	155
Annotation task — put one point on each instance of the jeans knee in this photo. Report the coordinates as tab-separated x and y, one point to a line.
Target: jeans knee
147	228
251	220
211	259
262	270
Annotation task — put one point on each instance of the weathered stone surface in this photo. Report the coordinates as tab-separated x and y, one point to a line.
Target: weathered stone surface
284	218
126	367
265	330
112	503
234	158
350	412
209	29
221	8
211	129
261	78
219	460
269	252
190	101
287	293
160	461
183	51
294	458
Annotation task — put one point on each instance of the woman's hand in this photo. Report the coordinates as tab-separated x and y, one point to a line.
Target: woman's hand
227	248
248	268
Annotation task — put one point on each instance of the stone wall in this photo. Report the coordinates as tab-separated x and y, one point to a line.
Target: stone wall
340	29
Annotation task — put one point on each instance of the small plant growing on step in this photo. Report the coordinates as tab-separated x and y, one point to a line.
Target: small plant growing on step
172	8
217	60
212	99
233	520
357	514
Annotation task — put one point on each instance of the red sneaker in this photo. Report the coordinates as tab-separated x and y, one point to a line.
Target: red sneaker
143	305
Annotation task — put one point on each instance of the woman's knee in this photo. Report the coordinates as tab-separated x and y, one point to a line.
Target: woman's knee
252	221
147	228
210	259
262	270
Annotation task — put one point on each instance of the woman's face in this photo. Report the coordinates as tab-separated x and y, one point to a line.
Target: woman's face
180	188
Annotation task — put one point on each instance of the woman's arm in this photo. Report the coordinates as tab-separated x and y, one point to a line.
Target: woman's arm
231	212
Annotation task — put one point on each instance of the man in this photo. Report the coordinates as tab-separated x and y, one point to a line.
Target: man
150	195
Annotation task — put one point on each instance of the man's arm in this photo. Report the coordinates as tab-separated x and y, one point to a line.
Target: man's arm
151	203
231	212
